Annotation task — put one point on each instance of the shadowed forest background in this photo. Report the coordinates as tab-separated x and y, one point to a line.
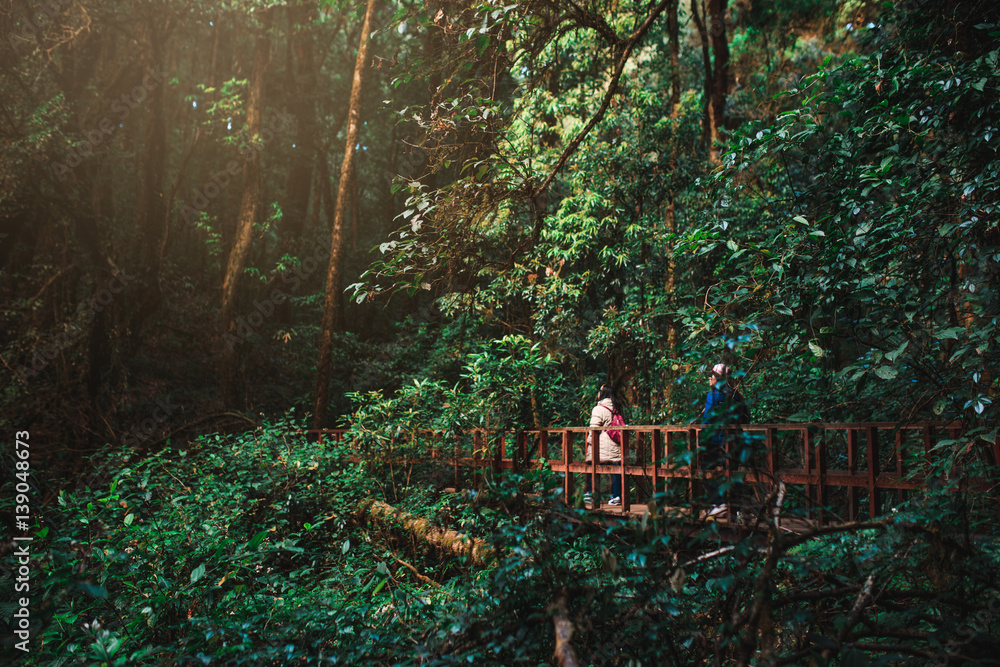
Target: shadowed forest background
218	224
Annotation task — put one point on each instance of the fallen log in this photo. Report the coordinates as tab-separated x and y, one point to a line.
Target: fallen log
565	654
449	541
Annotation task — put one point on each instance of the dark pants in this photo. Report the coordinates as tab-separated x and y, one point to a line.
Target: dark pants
713	457
616	484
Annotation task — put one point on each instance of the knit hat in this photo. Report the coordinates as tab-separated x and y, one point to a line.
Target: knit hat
721	370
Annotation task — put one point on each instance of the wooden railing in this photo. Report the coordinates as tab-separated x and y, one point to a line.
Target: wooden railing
849	469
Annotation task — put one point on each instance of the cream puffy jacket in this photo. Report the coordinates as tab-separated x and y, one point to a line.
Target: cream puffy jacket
611	451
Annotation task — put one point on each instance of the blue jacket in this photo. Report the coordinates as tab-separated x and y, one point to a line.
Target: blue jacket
724	406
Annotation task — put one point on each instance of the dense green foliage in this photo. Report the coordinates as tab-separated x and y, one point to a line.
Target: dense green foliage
581	192
255	550
843	257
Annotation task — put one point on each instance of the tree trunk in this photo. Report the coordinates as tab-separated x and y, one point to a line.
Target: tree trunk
708	123
251	207
355	210
302	79
720	50
331	314
673	30
670	283
152	215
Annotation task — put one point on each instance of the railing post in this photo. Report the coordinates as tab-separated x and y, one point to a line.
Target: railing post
772	464
874	506
928	444
807	470
477	457
852	468
624	480
498	456
821	473
657	449
520	450
900	493
456	452
996	460
567	457
595	455
695	461
727	467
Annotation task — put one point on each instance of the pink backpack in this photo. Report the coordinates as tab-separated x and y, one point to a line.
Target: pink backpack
618	421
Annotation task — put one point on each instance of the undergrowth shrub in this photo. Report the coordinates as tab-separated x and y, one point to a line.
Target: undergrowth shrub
251	550
235	551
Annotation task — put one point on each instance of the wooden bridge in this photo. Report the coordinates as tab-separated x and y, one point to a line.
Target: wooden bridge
850	471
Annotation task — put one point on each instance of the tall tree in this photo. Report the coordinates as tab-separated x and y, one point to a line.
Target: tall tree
251	202
302	81
720	63
332	317
673	32
715	54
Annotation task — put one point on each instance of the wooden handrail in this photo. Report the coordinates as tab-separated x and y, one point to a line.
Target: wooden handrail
827	460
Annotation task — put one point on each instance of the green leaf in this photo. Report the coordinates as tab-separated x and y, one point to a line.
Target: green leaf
886	372
816	349
91	589
197	573
891	356
951	333
256	540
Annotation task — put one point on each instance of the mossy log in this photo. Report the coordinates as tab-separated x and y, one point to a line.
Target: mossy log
565	654
447	541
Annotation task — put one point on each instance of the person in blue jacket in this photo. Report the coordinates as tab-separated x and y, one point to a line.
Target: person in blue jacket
723	406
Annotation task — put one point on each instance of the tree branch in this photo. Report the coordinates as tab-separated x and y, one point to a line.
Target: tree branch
416	573
626	51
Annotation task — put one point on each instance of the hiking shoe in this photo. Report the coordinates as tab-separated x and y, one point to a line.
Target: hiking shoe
588	499
615	501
